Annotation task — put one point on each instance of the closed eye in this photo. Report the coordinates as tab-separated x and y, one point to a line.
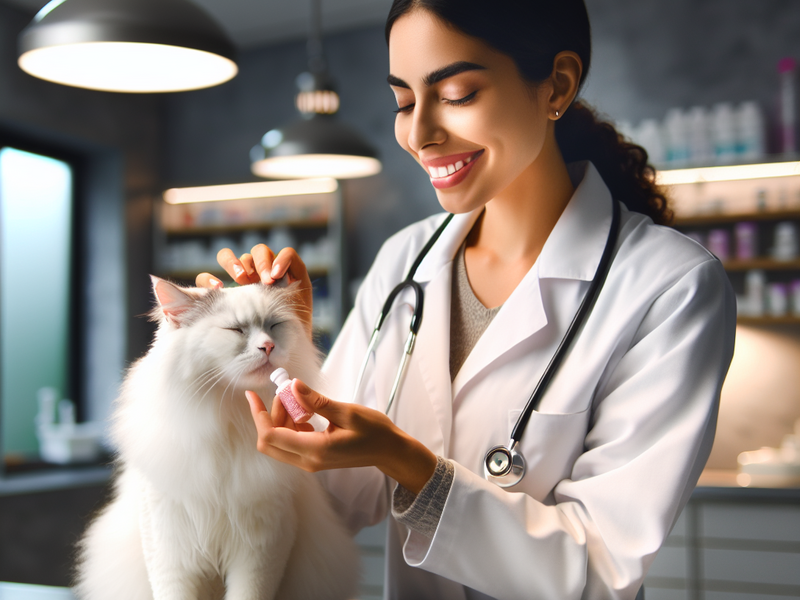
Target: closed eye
461	101
404	109
235	329
274	325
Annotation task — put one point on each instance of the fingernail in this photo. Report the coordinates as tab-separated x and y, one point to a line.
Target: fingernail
249	400
238	270
276	270
215	283
266	277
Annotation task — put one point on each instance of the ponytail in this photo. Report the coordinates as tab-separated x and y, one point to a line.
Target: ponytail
582	135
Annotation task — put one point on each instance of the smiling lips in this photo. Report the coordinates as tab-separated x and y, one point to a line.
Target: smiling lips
451	170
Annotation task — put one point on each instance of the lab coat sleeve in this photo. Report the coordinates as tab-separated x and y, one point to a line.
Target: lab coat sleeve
362	495
651	432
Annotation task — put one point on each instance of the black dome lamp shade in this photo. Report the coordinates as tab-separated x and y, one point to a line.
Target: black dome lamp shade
317	145
127	46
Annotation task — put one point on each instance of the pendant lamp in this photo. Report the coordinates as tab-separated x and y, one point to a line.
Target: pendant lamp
318	144
127	46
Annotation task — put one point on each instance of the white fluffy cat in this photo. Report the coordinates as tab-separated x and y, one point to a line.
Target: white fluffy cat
197	512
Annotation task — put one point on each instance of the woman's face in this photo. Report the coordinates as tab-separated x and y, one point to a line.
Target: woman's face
464	112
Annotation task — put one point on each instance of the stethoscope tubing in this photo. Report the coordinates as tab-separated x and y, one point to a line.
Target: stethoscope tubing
504	465
416	319
584	309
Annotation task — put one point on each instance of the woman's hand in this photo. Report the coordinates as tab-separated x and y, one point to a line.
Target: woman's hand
357	436
261	265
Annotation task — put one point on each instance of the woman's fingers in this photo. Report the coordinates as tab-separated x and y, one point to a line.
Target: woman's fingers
207	280
263	258
289	262
249	267
234	267
314	402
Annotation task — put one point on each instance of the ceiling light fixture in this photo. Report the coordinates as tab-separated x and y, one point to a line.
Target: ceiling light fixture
135	46
318	145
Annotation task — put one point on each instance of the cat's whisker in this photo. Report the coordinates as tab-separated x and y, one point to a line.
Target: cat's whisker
210	376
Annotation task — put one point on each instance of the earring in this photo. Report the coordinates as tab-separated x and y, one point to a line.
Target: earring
557	114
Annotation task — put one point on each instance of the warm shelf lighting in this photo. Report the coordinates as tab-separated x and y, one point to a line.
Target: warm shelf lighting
240	191
135	46
728	173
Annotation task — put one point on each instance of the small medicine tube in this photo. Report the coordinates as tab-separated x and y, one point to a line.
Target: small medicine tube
281	378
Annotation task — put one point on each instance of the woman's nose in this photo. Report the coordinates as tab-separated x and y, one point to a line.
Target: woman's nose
425	129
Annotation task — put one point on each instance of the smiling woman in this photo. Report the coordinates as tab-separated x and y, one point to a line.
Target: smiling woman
546	203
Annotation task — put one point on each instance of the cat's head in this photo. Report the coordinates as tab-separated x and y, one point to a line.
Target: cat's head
236	335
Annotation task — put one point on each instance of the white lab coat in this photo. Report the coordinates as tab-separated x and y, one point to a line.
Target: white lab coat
620	437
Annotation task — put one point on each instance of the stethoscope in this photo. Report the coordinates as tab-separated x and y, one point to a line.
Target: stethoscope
504	465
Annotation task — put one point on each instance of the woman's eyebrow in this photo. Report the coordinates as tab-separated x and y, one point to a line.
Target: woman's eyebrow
439	74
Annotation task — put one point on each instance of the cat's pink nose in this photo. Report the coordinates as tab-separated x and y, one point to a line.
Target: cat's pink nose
267	347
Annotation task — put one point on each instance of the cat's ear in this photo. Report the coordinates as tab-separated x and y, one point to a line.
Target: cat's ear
173	302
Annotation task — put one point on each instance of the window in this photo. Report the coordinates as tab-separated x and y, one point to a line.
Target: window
36	292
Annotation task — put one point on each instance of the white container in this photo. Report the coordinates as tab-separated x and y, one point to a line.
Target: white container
701	148
750	143
64	444
755	286
724	132
785	247
676	134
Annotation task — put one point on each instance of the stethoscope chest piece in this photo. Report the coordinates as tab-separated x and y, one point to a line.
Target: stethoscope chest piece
504	466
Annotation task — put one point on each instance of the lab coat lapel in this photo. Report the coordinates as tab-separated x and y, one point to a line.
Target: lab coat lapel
569	257
430	367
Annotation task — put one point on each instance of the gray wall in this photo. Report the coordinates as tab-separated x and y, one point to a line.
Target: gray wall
649	56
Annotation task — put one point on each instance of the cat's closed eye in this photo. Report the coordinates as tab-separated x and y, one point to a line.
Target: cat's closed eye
235	329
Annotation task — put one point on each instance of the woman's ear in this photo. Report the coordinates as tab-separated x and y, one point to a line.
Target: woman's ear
565	80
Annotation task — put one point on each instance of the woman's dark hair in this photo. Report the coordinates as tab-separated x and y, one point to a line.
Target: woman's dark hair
532	33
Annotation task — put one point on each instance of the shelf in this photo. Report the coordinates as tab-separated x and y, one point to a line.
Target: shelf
768	167
767	320
722	218
766	264
243	227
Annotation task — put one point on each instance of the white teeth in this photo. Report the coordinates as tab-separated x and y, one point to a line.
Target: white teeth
438	172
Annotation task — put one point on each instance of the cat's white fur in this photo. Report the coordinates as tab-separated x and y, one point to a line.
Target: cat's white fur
197	512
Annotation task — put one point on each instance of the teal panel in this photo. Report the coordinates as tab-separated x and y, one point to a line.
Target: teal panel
35	279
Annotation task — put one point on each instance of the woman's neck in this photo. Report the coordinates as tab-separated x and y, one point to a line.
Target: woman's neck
510	234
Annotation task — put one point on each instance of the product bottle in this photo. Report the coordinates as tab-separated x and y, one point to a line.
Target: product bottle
281	378
787	69
750	144
724	132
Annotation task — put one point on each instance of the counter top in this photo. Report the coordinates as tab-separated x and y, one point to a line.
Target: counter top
23	591
724	485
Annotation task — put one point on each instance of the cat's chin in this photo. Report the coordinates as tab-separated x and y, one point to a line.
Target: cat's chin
260	374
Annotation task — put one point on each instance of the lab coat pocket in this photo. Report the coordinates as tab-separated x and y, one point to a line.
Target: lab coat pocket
550	445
